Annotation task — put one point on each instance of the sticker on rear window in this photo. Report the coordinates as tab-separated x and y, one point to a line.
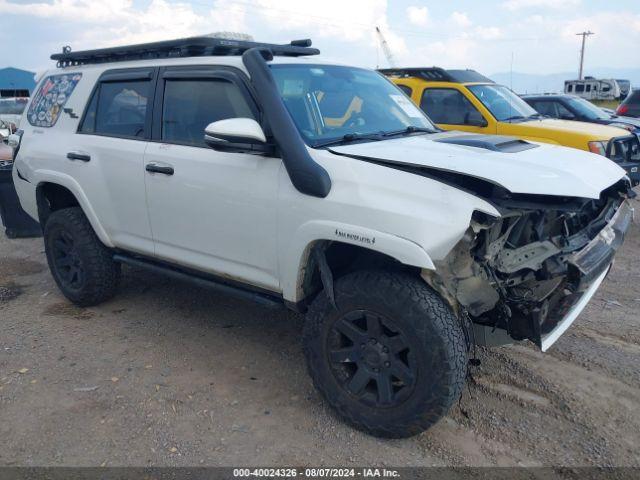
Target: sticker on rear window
50	98
407	106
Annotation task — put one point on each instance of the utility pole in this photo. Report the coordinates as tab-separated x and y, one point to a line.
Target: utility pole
584	38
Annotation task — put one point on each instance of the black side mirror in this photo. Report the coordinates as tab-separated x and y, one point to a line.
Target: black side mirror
475	119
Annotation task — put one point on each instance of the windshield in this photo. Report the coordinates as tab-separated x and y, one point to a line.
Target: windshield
587	109
503	104
12	106
328	103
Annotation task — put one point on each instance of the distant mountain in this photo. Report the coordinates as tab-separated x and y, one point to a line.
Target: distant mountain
554	82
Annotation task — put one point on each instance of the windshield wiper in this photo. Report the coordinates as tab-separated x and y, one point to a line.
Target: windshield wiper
352	137
515	117
349	137
537	115
408	130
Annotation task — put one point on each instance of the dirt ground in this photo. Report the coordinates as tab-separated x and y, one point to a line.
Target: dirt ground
171	374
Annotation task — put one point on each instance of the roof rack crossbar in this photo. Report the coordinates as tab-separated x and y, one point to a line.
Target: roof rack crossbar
184	47
427	73
437	74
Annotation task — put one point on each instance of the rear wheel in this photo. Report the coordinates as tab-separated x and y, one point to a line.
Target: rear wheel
81	265
392	358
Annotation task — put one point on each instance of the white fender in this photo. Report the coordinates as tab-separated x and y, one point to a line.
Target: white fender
403	250
68	182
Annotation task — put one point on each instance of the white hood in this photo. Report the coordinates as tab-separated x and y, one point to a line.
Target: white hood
545	170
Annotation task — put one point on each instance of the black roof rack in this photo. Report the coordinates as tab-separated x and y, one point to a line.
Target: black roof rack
184	47
437	74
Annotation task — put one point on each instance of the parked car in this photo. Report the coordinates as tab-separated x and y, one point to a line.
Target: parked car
570	107
630	107
11	109
468	101
14	219
319	187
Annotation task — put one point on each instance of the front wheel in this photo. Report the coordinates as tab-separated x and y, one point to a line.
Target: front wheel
392	358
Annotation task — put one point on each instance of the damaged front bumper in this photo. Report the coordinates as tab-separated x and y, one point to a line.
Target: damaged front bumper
513	289
529	273
587	270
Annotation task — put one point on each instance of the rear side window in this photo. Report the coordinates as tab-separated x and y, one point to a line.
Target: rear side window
406	89
118	109
447	106
190	105
49	100
564	112
545	108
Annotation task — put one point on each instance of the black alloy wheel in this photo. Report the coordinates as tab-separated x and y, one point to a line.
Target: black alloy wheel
372	358
67	261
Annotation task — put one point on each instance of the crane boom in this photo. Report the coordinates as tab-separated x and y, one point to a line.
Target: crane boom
385	48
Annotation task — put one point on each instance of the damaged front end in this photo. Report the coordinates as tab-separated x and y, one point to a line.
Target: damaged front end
531	271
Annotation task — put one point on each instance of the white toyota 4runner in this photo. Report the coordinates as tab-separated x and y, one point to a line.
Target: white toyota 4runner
262	172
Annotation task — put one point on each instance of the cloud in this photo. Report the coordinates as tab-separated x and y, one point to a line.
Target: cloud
120	22
448	53
488	33
70	9
418	16
347	20
538	40
606	26
555	4
353	21
460	19
346	29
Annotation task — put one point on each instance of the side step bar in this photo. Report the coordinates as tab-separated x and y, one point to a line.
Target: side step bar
203	280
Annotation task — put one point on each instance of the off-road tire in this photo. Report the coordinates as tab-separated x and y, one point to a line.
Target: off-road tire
100	274
417	311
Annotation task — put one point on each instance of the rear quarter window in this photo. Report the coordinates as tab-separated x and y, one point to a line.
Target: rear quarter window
50	99
407	90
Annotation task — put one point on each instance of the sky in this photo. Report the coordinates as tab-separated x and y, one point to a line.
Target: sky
491	36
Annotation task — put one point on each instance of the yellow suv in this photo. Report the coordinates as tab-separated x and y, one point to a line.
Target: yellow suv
468	101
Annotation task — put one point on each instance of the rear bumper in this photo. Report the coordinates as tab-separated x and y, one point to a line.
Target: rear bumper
587	270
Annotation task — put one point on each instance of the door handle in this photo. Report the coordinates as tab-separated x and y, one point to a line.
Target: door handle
83	157
155	168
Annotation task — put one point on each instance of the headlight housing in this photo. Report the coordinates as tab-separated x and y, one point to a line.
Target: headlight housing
598	147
